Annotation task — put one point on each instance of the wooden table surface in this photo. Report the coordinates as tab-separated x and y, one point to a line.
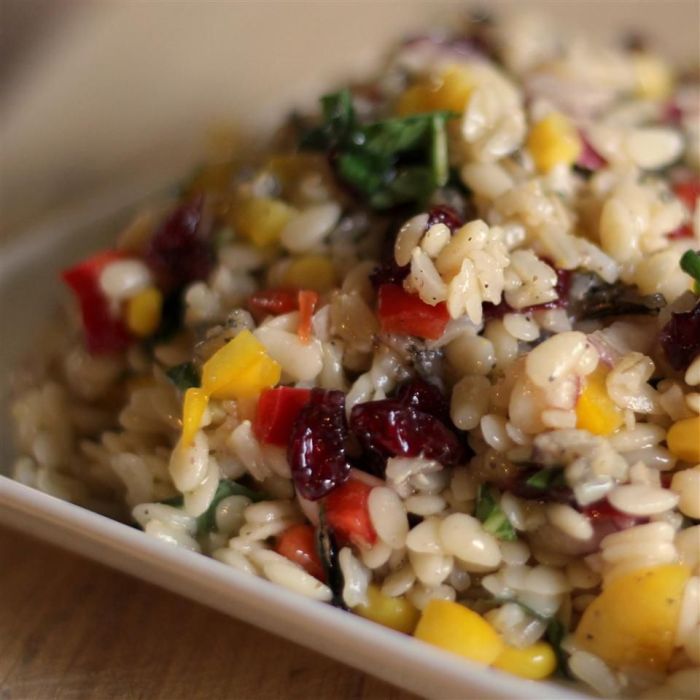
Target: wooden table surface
73	629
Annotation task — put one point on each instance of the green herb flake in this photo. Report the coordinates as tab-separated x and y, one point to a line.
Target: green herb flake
490	513
690	264
545	479
206	522
184	376
390	162
555	634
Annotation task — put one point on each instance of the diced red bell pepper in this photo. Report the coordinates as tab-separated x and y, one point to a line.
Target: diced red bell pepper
276	412
684	231
307	303
104	331
347	514
401	312
272	302
298	544
688	192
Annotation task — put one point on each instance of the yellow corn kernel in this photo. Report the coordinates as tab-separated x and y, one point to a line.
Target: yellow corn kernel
450	90
632	623
397	613
596	412
683	439
242	368
314	272
553	141
458	629
534	662
261	219
193	407
143	312
653	77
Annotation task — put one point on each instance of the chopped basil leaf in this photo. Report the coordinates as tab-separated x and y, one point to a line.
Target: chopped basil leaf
555	636
206	522
690	264
544	479
184	376
490	513
597	298
390	162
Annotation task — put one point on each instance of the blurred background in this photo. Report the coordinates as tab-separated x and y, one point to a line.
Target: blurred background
99	96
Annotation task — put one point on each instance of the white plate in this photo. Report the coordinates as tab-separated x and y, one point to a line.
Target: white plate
28	287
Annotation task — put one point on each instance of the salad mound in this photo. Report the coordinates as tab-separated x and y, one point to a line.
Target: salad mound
432	358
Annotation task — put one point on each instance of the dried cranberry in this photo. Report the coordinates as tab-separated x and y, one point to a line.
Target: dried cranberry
424	397
680	338
316	449
389	272
179	251
672	114
496	311
604	516
444	214
389	429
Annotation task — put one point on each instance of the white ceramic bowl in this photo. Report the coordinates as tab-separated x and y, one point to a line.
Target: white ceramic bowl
45	135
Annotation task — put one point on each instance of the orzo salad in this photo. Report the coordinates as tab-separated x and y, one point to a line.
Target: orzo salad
433	358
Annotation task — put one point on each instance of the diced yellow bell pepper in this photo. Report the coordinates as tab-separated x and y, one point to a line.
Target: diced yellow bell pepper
553	141
632	623
242	368
458	629
450	90
193	407
397	613
261	219
683	439
143	312
596	412
653	76
315	272
534	662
